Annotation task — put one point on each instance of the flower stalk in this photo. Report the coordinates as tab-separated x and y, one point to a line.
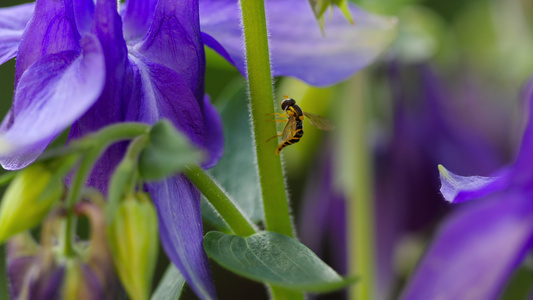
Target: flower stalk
125	175
94	145
275	202
231	214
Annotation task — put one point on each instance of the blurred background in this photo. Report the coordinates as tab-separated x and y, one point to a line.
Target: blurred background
450	90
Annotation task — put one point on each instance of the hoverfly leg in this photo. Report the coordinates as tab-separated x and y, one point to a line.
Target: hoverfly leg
284	115
274	137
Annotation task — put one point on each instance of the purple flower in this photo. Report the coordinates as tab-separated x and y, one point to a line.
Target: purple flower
426	131
478	248
45	272
86	65
297	46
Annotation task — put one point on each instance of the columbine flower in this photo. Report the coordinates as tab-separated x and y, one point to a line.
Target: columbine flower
479	247
86	64
83	63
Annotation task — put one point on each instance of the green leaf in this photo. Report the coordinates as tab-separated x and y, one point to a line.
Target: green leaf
273	258
167	153
171	286
236	172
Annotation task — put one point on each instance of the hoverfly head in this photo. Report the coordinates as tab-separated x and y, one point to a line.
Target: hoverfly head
287	102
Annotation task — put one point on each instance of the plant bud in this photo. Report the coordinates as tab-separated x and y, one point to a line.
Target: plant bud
134	243
28	199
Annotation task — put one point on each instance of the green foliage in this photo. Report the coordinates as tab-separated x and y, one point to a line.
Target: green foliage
167	153
236	171
275	259
171	286
320	7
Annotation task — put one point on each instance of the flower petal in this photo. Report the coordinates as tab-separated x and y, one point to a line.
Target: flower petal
83	12
13	20
52	29
159	92
16	271
210	42
54	92
174	40
46	284
297	46
108	109
476	251
523	173
137	17
214	134
152	96
180	225
456	188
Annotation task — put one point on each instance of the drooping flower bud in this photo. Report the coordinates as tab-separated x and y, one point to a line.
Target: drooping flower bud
45	272
28	199
31	268
133	239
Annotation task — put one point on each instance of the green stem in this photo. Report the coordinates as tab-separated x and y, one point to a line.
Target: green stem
107	135
280	293
94	145
125	175
226	207
74	194
356	169
275	203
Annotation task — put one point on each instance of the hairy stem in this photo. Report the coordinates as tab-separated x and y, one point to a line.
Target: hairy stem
261	96
125	175
227	209
275	204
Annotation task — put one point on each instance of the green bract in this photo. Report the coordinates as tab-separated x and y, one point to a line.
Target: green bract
320	7
133	239
167	153
275	259
28	199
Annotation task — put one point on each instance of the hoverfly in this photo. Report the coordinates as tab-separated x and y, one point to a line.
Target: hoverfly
293	131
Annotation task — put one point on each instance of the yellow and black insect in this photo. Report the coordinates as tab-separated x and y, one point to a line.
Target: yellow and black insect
294	131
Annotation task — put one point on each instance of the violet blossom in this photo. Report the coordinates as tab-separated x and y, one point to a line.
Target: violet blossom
479	247
84	64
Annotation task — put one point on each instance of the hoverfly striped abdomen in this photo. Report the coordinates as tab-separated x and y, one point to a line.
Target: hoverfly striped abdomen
293	132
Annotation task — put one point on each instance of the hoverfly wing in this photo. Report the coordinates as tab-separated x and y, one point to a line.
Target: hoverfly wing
289	130
319	122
